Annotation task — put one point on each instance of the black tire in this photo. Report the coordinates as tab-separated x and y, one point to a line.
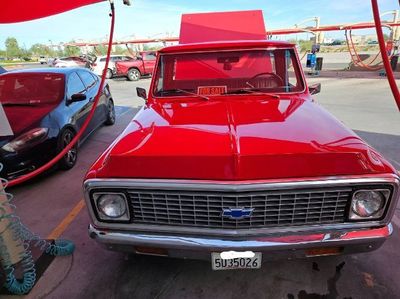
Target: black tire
69	160
109	74
133	75
110	114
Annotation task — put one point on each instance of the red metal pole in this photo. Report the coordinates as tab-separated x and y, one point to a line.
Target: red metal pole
385	58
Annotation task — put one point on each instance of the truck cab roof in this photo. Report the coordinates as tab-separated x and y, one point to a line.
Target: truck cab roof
226	45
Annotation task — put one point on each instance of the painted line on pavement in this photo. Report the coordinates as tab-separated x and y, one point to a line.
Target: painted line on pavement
57	232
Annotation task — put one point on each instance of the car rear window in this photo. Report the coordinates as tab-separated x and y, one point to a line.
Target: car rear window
31	88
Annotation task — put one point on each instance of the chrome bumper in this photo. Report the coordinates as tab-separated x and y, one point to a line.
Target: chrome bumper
288	246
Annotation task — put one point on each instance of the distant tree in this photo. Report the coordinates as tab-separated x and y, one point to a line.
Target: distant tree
25	54
304	45
386	36
151	47
12	48
71	51
101	50
120	50
40	49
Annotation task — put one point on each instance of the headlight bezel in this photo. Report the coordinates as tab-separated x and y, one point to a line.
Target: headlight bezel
95	196
385	191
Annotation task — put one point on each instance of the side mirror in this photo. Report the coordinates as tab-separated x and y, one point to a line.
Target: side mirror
315	88
77	97
141	93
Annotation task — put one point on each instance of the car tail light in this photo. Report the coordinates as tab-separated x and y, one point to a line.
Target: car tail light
26	140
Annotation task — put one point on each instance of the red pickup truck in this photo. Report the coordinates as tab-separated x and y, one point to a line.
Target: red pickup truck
231	160
134	69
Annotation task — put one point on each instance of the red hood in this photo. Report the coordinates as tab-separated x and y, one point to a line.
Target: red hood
244	138
22	117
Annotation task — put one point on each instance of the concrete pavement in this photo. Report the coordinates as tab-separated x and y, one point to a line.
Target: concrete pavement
362	104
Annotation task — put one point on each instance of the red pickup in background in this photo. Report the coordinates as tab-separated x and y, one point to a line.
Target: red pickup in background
134	69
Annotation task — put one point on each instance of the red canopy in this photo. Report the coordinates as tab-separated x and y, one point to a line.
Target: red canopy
13	11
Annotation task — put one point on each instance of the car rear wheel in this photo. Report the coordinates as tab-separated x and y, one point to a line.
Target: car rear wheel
133	75
69	159
109	74
110	114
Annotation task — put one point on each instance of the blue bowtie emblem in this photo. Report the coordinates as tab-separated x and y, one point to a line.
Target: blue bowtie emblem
237	213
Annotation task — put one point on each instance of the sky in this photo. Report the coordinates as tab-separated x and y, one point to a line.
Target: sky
156	18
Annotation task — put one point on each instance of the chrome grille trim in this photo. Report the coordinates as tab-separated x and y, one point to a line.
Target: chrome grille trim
271	209
108	184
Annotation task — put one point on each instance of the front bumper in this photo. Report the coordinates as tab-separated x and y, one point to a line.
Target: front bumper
20	163
272	247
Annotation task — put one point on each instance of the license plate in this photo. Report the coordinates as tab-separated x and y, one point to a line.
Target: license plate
230	260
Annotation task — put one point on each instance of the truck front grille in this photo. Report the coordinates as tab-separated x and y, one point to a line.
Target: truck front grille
270	208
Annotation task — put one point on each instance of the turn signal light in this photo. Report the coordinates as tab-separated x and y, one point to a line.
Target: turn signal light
324	251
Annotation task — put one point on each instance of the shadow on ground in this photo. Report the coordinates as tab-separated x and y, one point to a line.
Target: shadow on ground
388	145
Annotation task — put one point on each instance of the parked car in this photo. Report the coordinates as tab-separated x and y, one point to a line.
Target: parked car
46	108
134	69
231	160
100	63
71	62
337	42
42	60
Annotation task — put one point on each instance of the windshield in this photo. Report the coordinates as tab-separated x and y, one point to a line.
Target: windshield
216	73
31	88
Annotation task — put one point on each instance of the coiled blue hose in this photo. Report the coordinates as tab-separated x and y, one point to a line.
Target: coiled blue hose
24	237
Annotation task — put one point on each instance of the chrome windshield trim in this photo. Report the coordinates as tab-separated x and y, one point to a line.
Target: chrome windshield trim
242	186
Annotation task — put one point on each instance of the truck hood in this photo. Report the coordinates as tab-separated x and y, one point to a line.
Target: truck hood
22	118
242	138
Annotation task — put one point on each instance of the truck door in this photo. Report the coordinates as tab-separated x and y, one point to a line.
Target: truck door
149	61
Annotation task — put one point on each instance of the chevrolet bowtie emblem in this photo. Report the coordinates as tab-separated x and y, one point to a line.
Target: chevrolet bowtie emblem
237	213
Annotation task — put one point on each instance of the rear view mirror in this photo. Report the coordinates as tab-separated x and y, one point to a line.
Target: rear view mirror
315	88
227	61
141	93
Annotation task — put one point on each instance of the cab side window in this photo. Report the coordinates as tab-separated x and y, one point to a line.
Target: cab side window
75	85
151	56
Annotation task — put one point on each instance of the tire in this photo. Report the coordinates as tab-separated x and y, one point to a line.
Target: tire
133	75
69	160
109	74
110	114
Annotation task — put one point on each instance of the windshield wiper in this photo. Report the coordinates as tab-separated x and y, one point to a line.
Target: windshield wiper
184	91
252	90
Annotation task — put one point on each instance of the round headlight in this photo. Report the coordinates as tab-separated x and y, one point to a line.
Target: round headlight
112	205
367	203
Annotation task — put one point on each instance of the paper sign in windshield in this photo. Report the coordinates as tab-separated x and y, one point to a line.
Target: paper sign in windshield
211	90
5	128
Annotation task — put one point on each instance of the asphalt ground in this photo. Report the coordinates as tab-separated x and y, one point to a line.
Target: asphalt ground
51	206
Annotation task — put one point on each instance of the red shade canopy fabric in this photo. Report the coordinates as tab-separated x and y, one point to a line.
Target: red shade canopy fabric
13	11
